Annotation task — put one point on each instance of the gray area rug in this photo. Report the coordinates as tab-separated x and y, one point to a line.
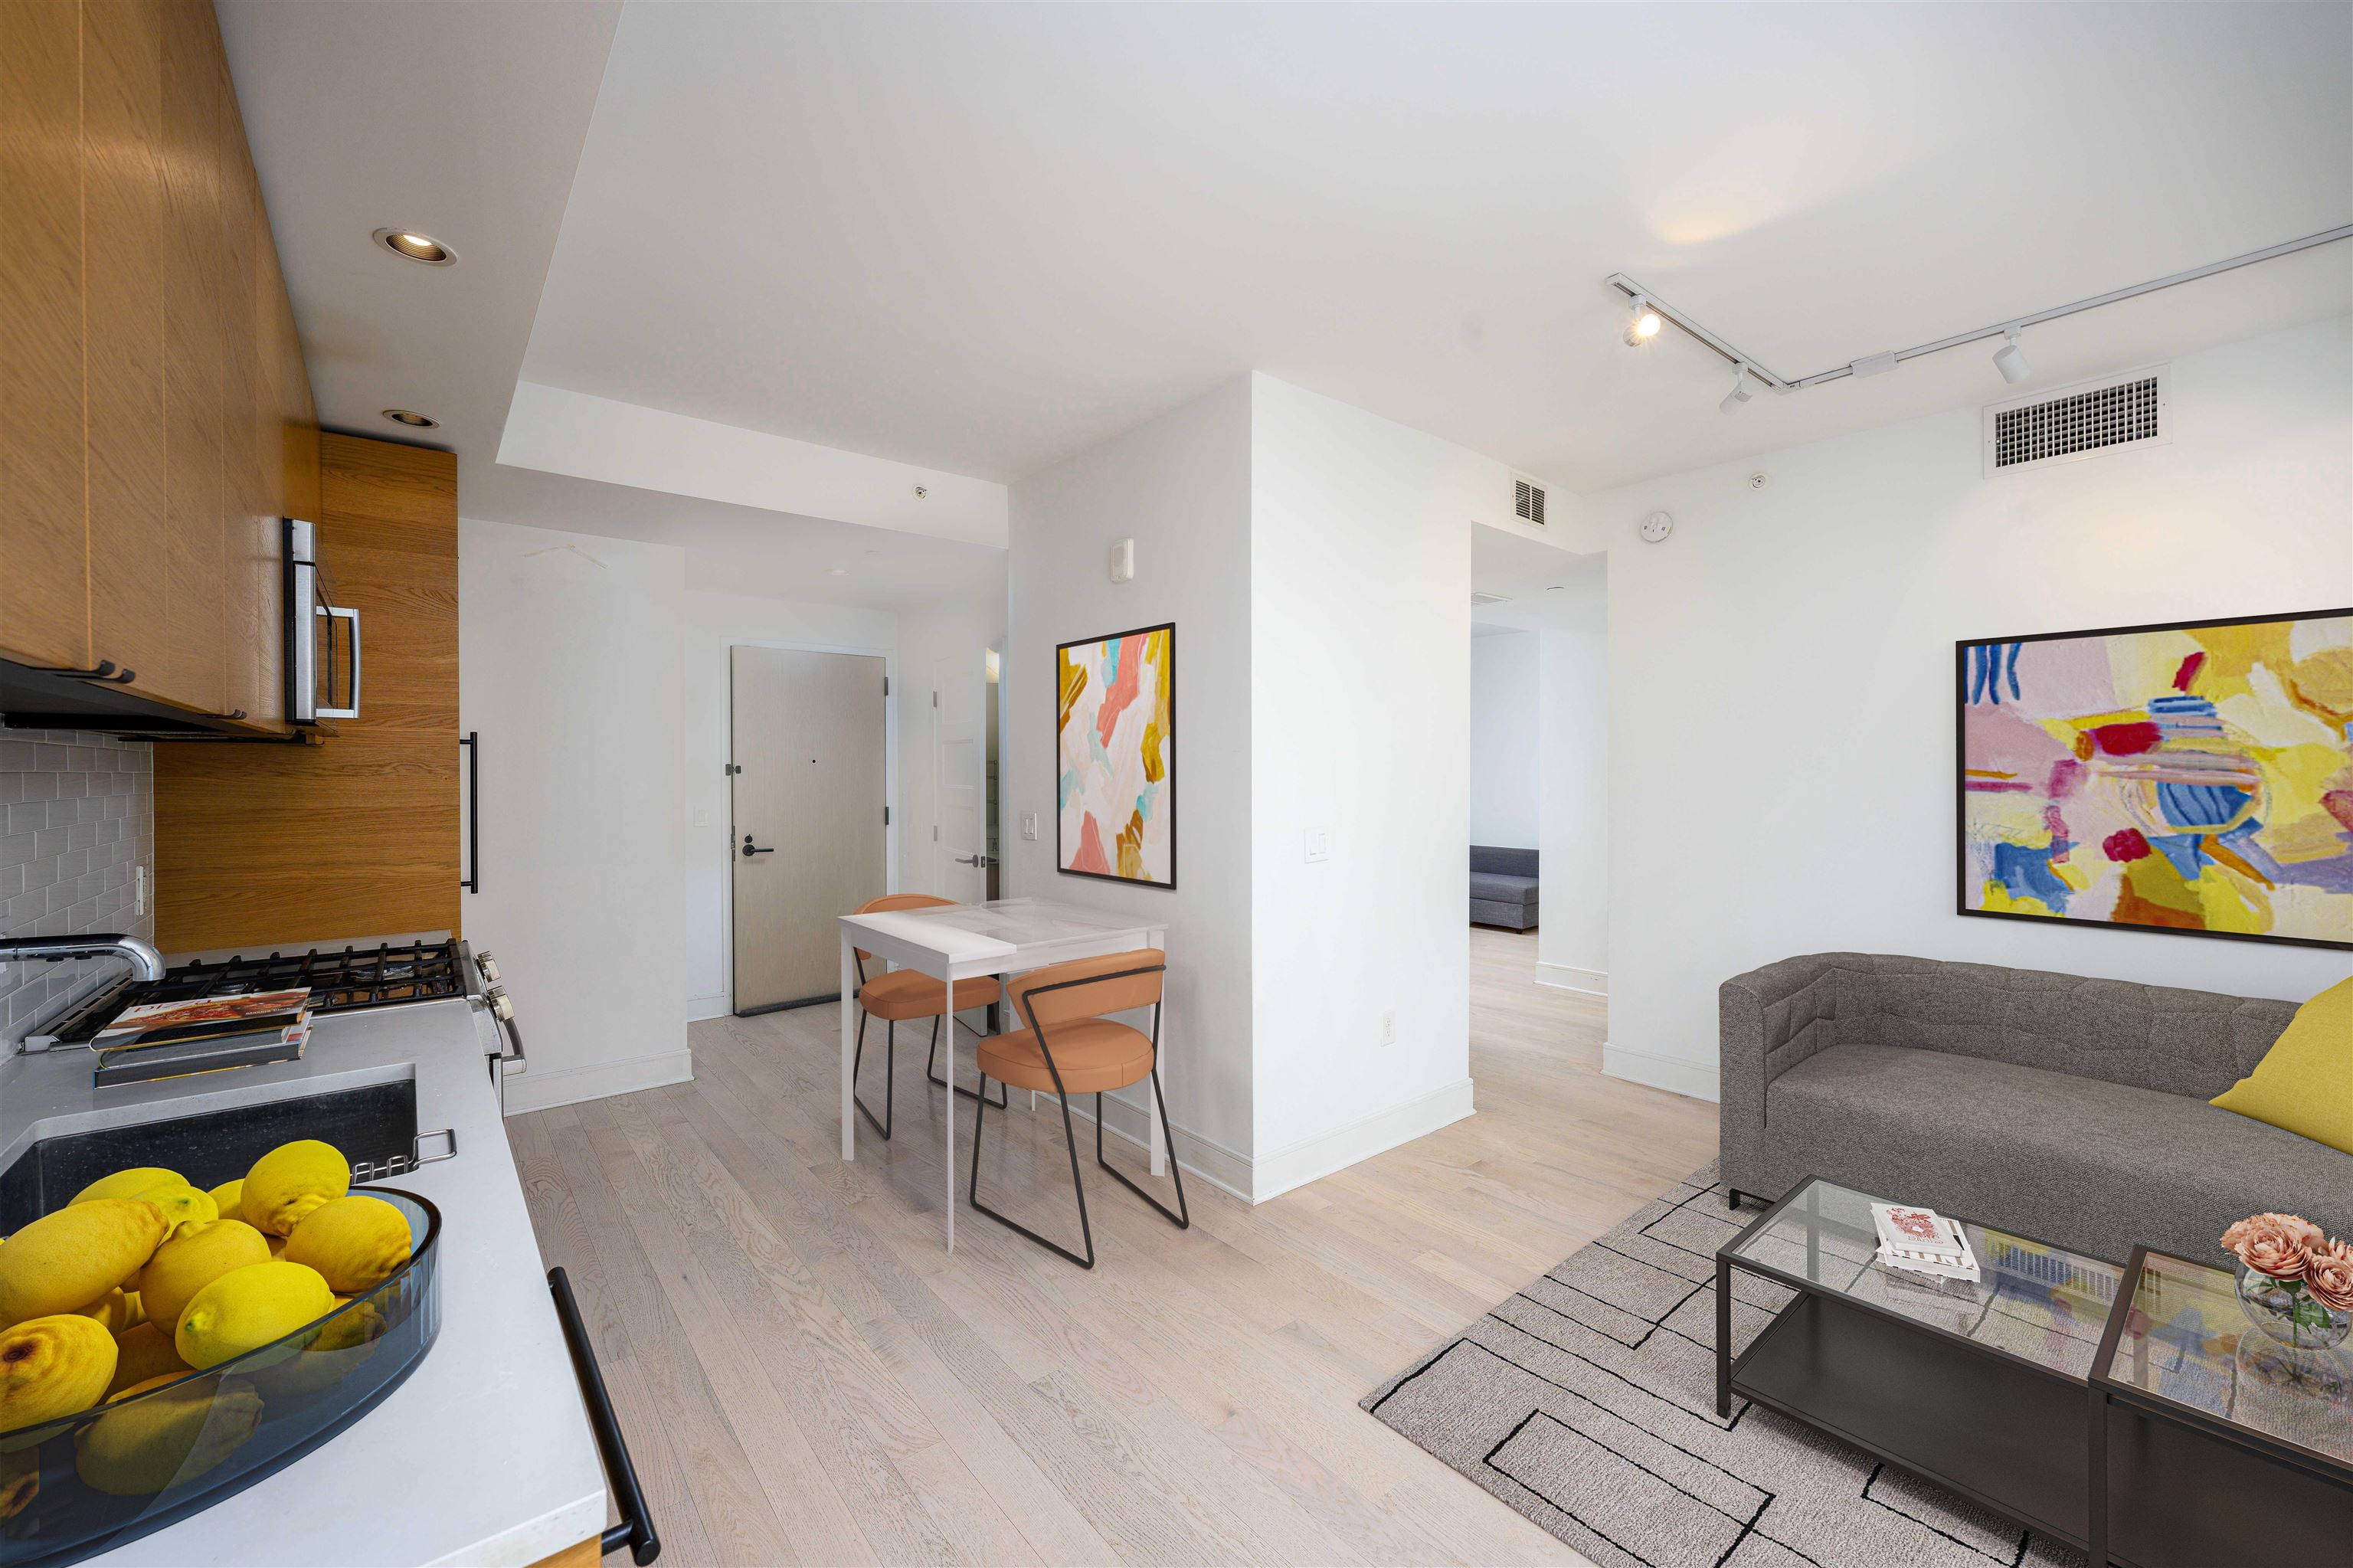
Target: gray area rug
1588	1403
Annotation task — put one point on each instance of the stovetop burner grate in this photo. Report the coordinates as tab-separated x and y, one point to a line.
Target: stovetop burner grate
340	981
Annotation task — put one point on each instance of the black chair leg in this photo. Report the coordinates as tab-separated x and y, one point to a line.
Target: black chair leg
931	1069
1086	1231
889	1078
1181	1216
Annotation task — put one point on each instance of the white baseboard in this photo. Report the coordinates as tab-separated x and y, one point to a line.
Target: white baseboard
1256	1181
1569	977
1213	1162
543	1087
1278	1172
1676	1074
701	1007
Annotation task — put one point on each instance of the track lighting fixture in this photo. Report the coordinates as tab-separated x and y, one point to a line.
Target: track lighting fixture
1643	325
2009	359
1742	390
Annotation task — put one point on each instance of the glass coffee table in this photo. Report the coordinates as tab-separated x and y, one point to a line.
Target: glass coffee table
1980	1388
2211	1442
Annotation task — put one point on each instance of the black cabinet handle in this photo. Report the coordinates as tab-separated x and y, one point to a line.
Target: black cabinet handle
635	1530
472	741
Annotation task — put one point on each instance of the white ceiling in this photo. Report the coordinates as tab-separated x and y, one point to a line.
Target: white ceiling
983	238
1541	583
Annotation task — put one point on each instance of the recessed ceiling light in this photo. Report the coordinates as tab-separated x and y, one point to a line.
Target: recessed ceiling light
412	245
412	418
842	571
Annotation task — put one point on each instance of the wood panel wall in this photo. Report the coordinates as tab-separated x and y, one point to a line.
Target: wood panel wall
263	846
155	418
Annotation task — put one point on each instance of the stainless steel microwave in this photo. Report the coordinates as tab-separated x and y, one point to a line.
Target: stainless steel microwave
323	637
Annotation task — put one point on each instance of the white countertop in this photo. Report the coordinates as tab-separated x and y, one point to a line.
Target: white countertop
484	1455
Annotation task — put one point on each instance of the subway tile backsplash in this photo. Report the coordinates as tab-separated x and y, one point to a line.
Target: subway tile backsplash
77	817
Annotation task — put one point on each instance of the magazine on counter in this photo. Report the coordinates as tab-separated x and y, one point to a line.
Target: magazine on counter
159	1023
1921	1241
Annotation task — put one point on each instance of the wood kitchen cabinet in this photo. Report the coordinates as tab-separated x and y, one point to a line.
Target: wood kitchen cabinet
263	846
155	417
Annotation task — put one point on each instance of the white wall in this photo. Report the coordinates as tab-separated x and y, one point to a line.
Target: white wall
569	667
1781	672
1360	650
1180	485
713	624
1573	927
1506	717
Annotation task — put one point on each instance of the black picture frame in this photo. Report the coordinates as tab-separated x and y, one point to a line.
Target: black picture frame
1961	791
1056	686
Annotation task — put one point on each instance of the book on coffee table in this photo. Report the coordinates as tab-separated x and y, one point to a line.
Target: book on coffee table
1923	1242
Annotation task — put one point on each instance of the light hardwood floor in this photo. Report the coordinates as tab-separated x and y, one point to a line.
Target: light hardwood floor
806	1376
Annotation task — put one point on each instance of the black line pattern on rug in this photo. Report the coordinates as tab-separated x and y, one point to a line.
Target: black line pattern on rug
1745	1525
1656	1323
2017	1558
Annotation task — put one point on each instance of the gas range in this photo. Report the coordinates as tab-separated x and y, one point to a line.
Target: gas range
374	972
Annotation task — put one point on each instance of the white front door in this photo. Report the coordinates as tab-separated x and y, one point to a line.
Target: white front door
960	757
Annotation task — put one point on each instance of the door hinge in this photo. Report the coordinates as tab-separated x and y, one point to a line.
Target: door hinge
886	686
886	816
936	835
732	770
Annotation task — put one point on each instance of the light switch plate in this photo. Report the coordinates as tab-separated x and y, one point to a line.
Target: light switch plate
1029	824
1319	844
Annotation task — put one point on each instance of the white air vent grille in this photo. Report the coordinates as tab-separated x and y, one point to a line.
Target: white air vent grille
2076	422
1480	598
1528	501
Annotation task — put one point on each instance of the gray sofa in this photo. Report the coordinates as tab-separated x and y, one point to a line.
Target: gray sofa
2067	1109
1503	888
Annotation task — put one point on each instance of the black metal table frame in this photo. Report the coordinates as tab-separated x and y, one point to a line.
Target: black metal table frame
2104	1388
1727	1366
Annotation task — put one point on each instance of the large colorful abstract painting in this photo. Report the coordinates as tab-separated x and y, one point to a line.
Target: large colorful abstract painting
2194	778
1115	757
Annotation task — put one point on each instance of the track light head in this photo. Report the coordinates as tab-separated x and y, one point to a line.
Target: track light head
1643	325
2009	359
1743	389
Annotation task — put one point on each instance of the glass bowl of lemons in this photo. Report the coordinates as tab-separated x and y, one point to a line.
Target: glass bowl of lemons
164	1345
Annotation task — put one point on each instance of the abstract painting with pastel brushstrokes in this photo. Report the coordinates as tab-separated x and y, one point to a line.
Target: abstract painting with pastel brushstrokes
1115	757
2193	777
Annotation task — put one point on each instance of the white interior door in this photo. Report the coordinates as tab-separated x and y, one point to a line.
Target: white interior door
809	788
960	761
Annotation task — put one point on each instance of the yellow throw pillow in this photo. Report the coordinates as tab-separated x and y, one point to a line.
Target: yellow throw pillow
2305	1082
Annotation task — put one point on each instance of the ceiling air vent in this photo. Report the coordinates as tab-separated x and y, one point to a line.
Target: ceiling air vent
1527	501
2077	422
1479	598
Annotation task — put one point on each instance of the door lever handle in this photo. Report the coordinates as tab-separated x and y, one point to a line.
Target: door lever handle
749	852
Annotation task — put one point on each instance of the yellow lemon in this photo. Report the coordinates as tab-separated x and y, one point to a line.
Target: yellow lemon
290	1181
63	1261
52	1366
130	1183
193	1260
247	1307
354	1243
159	1436
20	1481
277	1246
182	1204
142	1354
110	1311
136	1309
342	1342
229	1198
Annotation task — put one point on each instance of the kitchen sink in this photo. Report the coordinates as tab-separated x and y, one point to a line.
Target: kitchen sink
375	1125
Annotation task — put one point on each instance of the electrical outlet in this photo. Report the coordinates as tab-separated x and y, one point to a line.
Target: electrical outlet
1388	1026
703	816
1029	824
139	890
1319	845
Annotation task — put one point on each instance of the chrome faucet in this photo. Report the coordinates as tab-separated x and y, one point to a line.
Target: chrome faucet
138	952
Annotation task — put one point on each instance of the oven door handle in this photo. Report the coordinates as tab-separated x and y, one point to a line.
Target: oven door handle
635	1530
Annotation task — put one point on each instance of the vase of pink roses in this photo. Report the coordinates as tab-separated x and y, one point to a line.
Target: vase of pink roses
2294	1284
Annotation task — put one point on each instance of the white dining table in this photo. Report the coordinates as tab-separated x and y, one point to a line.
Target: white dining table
952	942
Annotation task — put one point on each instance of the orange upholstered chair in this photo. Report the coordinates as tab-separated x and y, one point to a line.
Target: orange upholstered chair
1070	1047
903	995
